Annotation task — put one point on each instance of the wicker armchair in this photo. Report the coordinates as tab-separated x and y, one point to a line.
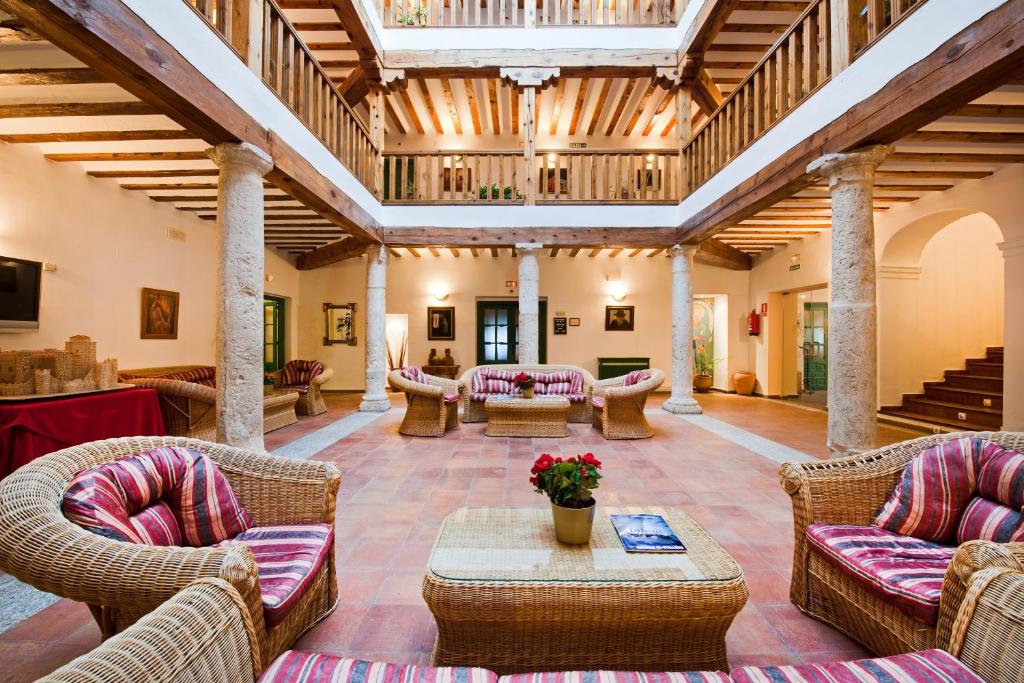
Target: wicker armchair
428	413
203	633
311	400
122	582
189	409
850	491
619	410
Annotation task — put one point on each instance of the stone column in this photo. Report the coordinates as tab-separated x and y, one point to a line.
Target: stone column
682	401
240	272
1013	336
853	340
529	295
375	400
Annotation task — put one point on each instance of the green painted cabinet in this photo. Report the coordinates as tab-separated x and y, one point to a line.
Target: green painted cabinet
610	366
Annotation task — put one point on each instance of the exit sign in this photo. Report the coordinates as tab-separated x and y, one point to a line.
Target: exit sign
577	145
794	266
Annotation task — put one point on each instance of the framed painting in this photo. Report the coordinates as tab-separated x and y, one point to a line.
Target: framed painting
618	318
340	324
441	323
159	315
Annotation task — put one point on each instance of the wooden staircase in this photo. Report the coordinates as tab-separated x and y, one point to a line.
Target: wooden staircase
971	398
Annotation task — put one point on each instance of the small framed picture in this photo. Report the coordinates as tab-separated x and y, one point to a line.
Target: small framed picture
159	316
560	325
618	318
340	324
441	323
574	322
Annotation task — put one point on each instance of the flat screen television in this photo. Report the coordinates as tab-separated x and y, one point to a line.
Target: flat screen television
19	294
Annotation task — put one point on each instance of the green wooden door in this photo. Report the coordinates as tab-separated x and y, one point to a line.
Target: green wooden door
816	346
273	333
497	332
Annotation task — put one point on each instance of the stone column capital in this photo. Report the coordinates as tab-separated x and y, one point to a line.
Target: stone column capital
242	154
856	165
529	247
687	250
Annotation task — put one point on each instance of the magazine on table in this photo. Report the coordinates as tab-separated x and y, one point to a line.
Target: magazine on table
646	534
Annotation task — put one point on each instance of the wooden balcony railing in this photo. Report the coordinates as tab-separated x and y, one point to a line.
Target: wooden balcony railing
451	13
608	176
870	19
291	71
610	12
796	65
478	177
477	13
217	13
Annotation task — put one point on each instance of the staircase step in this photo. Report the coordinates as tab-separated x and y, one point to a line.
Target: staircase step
994	349
950	412
932	419
984	368
941	391
966	380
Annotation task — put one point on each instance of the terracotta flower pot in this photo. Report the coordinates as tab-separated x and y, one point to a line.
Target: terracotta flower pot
528	392
744	382
702	383
573	525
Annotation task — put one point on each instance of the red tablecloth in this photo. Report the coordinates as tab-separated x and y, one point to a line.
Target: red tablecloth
34	428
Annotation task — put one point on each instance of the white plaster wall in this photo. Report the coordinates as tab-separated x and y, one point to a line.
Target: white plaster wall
107	244
576	286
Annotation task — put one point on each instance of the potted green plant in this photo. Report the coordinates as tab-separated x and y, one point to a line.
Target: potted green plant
703	368
568	485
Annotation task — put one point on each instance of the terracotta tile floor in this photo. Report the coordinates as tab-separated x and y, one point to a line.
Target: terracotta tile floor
396	490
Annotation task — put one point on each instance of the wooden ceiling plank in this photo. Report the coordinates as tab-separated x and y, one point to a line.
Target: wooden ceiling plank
492	96
36	110
640	107
428	102
389	109
620	106
474	111
577	110
573	252
453	111
413	116
556	110
50	76
602	96
129	156
156	173
666	97
97	136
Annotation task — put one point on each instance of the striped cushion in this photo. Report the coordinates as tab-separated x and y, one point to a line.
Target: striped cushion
206	375
156	525
1001	475
555	389
287	560
414	374
206	506
933	492
618	677
635	377
984	520
311	667
905	572
297	388
598	402
929	666
300	372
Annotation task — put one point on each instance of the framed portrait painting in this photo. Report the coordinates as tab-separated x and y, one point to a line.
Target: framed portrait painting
159	315
340	324
618	318
441	323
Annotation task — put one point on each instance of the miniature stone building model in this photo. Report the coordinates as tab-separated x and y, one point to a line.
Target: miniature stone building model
52	371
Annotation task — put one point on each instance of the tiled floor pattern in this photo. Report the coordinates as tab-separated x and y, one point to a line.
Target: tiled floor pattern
396	490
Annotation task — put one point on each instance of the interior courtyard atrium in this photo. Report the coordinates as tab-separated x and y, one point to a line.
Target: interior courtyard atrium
512	341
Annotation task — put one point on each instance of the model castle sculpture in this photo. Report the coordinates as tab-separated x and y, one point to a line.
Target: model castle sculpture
52	371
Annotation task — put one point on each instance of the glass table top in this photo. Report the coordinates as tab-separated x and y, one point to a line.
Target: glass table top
518	545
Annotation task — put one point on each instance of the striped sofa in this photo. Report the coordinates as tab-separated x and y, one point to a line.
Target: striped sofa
571	381
885	540
205	633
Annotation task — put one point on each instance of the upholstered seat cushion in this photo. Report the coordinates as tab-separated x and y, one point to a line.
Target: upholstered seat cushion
311	667
618	677
929	666
300	372
287	561
905	572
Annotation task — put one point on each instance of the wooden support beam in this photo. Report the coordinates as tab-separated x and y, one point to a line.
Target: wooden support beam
414	118
474	111
494	106
577	110
556	110
956	158
615	252
964	136
712	252
635	252
627	92
640	107
158	173
475	252
554	251
35	110
494	252
49	76
602	97
528	135
331	253
573	62
356	21
573	252
354	87
932	174
594	252
453	111
990	111
454	251
428	102
434	252
706	94
98	136
128	156
564	237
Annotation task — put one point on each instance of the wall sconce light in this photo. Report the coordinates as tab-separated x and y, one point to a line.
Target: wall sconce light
439	292
268	278
617	291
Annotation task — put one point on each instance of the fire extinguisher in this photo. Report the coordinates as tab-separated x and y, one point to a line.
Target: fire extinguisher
753	323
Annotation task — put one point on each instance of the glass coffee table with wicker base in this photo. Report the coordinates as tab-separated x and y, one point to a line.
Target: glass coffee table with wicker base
508	597
516	416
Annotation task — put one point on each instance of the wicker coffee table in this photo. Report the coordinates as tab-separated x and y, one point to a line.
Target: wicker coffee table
508	597
279	409
537	416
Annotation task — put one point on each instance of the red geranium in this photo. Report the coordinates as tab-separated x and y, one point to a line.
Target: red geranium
567	482
523	381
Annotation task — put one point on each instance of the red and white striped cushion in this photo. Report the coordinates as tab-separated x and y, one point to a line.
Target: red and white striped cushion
205	505
904	571
984	520
933	492
618	677
1001	475
635	377
287	560
929	666
414	373
311	667
597	402
156	525
300	372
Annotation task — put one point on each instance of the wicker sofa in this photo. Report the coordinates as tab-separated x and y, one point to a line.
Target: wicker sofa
123	581
433	402
850	492
475	386
619	404
204	634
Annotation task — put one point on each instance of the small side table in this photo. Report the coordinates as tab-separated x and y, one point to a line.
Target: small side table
539	416
447	371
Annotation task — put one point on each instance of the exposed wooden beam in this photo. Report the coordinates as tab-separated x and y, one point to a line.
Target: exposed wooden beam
706	94
128	156
771	6
990	111
354	18
565	237
339	63
389	109
339	45
554	251
594	252
454	252
414	252
414	118
35	110
428	103
750	27
615	252
474	112
494	252
331	253
759	48
666	97
620	106
712	252
556	110
49	76
98	136
577	109
640	107
453	111
173	198
475	252
599	105
514	95
956	158
708	23
158	173
303	26
635	252
434	252
964	136
573	252
655	252
493	106
354	87
572	61
932	174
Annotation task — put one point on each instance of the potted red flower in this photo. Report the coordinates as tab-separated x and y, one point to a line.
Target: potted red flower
524	383
568	485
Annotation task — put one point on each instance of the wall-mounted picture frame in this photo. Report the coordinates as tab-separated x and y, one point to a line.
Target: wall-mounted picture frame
574	322
339	324
159	315
560	325
441	323
618	318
